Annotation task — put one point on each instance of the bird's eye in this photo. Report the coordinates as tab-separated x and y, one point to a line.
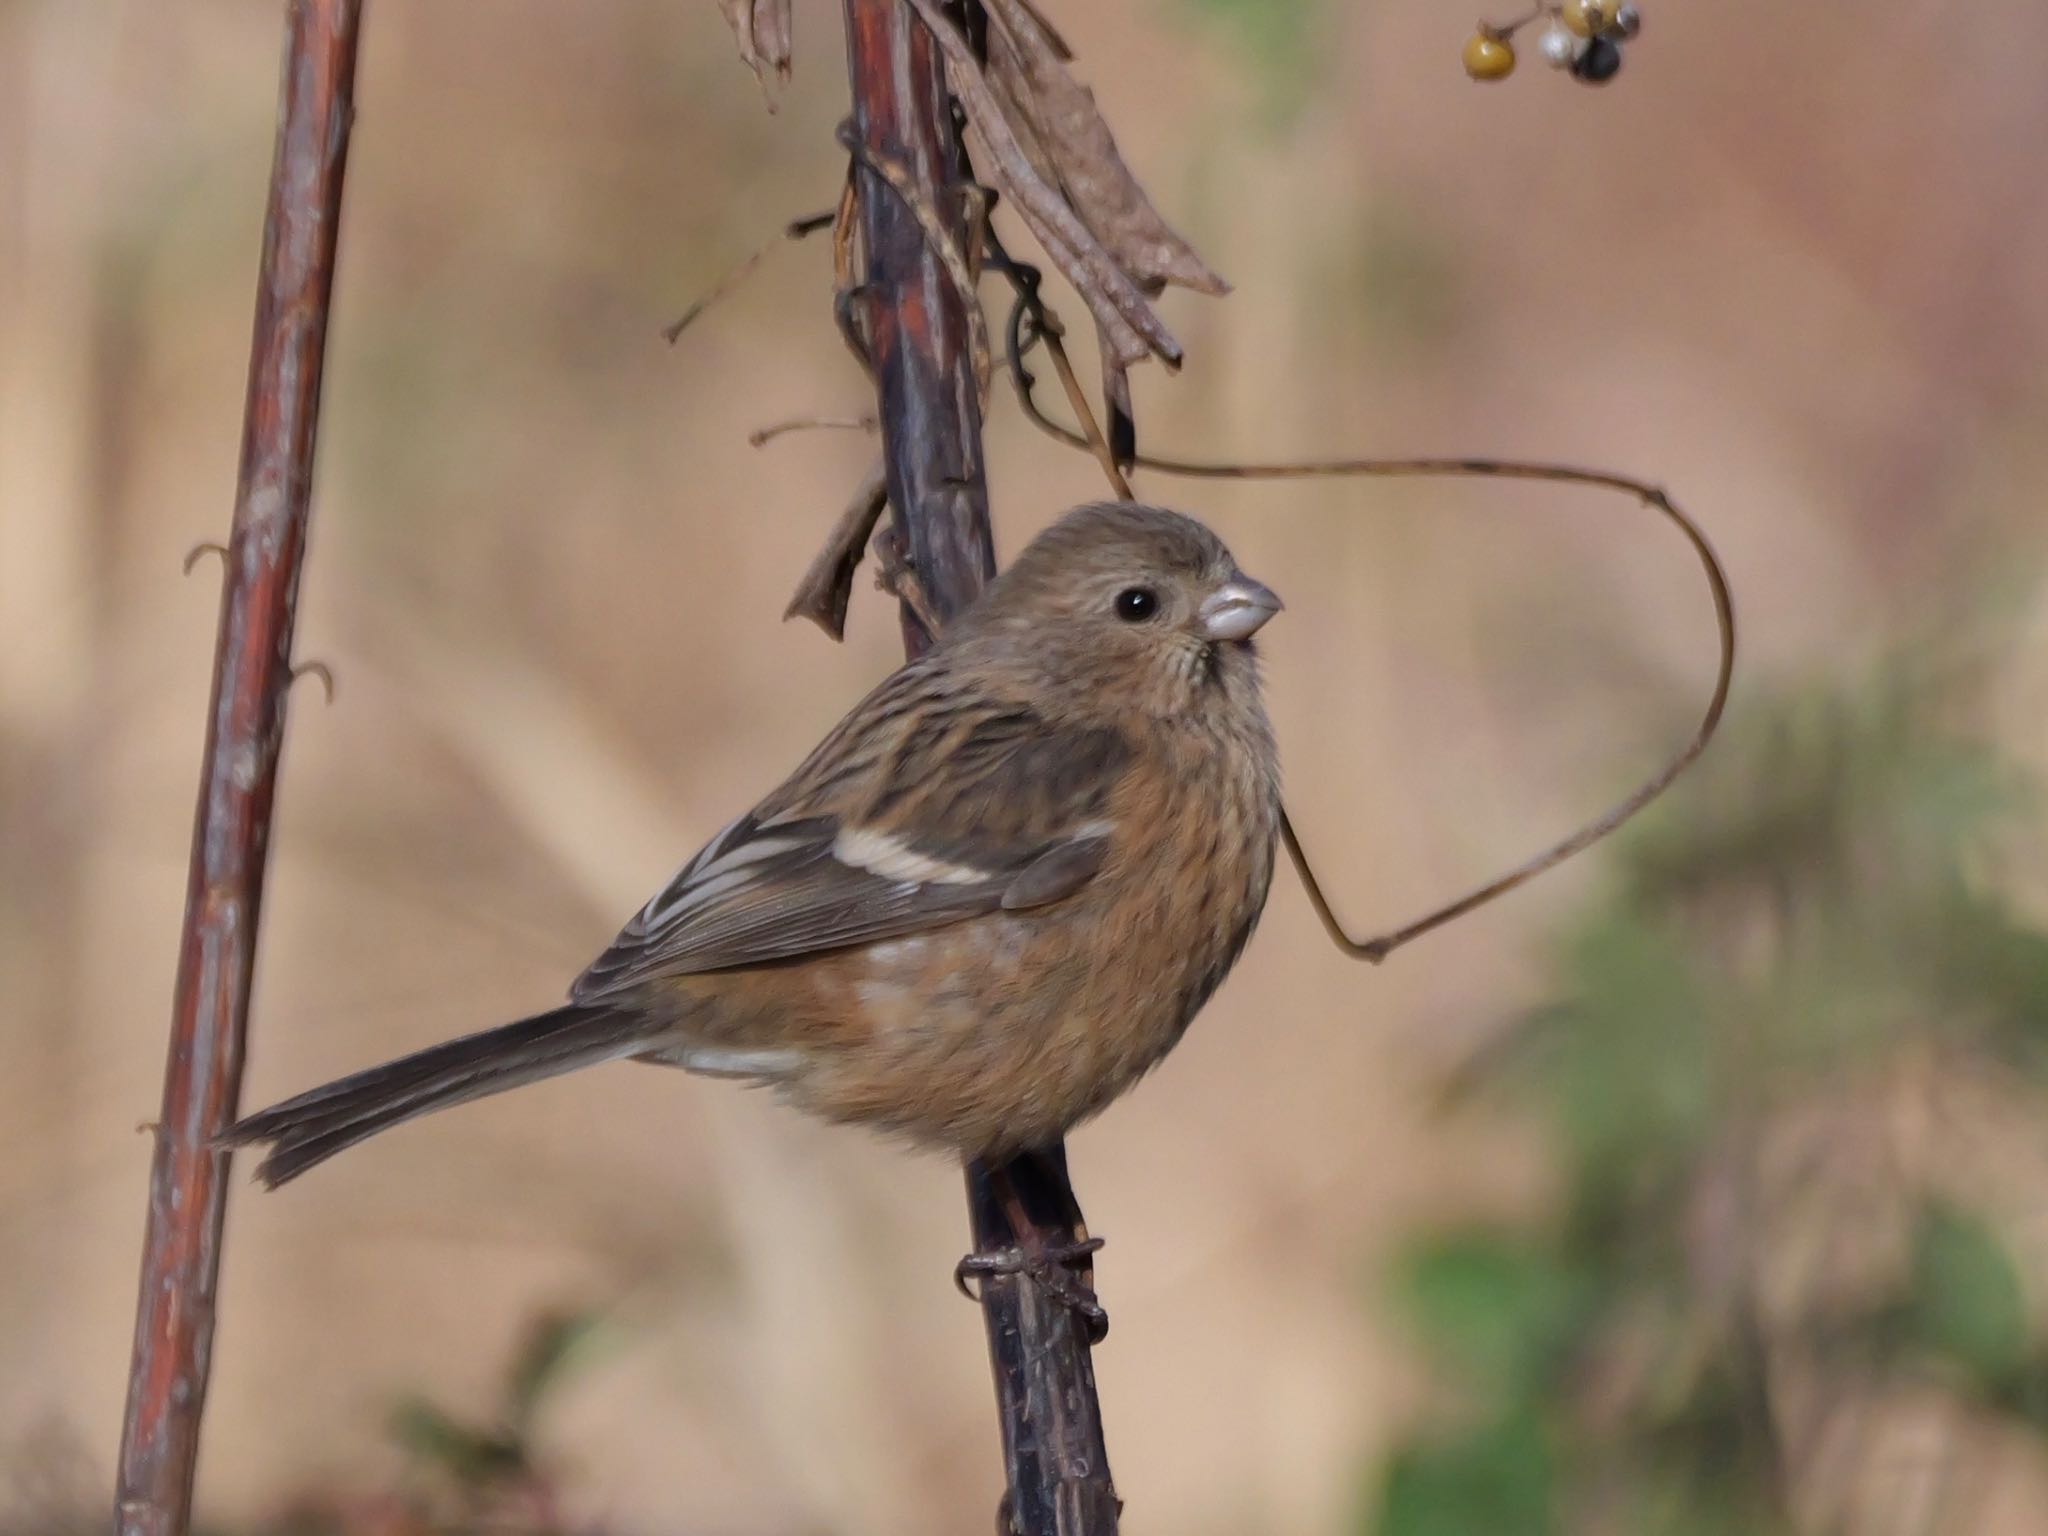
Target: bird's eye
1134	605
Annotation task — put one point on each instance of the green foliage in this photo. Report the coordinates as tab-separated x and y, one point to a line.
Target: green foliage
467	1465
462	1474
1276	41
459	1476
1499	1310
1396	283
1630	1054
468	1454
1966	1303
1496	1478
1810	928
555	1345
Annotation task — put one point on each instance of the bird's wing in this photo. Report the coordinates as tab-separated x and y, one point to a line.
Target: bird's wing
923	808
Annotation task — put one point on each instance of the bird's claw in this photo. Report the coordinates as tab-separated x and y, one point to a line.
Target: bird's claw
1051	1269
895	575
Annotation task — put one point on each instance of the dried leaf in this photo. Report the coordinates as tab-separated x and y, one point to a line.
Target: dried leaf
1017	111
763	32
1052	36
1119	335
1026	68
1121	309
827	587
1120	420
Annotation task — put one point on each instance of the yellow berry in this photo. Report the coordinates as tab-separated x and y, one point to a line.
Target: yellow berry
1589	18
1489	58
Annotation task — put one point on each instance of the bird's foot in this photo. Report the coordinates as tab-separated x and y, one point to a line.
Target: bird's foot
1051	1267
897	576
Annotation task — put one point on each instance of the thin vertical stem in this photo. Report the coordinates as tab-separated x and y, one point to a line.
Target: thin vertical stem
174	1317
919	343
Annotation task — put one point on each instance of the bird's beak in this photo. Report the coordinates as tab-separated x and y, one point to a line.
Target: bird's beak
1237	609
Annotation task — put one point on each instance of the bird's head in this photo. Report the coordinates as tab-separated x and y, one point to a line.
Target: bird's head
1143	607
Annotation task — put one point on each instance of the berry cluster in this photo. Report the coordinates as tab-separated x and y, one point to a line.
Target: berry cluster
1583	36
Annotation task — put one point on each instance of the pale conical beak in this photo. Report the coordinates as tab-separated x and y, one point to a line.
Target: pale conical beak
1238	609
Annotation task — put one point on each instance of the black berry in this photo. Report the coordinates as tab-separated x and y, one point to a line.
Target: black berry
1600	63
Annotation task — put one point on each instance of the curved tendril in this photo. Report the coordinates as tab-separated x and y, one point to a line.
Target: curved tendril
1031	323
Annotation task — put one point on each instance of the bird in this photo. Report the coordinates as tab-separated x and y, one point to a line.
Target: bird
989	901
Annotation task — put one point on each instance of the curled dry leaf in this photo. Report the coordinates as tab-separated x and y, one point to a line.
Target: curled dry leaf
827	587
762	29
1123	313
1069	143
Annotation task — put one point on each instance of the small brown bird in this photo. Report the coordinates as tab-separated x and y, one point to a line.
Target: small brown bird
987	903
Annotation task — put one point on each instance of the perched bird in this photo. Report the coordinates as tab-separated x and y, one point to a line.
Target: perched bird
986	904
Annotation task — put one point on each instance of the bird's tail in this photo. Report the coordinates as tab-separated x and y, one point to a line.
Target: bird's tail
311	1128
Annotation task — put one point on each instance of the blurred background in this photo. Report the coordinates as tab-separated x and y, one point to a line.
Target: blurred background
1701	1187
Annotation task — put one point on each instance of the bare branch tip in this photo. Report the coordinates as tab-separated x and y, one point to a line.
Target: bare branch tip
673	332
318	669
760	437
200	550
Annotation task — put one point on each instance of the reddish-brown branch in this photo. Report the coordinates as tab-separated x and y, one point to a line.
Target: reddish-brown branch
245	726
919	343
917	327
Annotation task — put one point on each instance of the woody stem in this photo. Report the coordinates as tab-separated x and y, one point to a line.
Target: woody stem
919	344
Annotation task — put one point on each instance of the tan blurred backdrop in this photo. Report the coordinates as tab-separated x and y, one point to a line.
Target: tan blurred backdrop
1790	264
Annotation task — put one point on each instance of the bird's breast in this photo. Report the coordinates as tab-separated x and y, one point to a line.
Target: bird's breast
1004	1030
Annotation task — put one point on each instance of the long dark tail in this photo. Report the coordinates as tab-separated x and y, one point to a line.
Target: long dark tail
311	1128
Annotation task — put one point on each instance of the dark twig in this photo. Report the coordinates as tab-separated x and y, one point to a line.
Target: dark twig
1045	327
245	726
740	271
846	291
918	340
761	437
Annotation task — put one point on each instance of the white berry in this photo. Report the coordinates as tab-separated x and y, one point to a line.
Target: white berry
1558	46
